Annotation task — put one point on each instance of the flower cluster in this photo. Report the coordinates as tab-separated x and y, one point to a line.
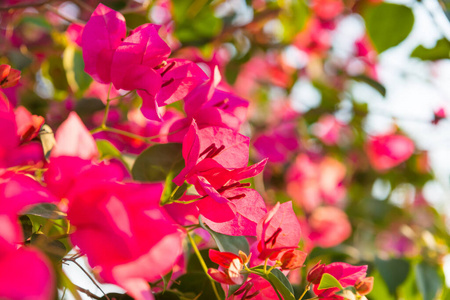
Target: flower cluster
168	171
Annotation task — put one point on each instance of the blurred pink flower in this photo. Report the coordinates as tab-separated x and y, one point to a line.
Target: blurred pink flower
26	274
389	150
311	182
329	129
327	226
327	9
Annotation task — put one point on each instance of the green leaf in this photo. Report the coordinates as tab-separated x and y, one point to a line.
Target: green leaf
440	51
195	22
116	296
106	149
64	281
388	24
393	271
46	210
373	83
73	63
228	243
167	295
160	162
166	279
428	280
198	284
278	281
328	281
380	290
27	226
47	140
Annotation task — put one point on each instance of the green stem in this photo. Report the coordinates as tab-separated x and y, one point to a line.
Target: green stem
148	140
108	102
203	264
305	291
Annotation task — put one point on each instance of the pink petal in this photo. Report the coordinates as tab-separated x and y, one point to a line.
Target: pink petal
28	276
73	139
102	34
249	210
179	81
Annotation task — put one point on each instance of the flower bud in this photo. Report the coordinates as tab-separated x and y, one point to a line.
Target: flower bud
315	274
292	259
364	286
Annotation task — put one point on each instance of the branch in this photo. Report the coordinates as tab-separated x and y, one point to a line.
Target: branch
87	292
25	5
64	17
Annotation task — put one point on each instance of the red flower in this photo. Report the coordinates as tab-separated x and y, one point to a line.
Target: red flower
232	264
8	76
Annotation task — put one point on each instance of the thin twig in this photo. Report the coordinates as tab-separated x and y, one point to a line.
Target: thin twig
87	292
64	17
90	277
84	5
25	5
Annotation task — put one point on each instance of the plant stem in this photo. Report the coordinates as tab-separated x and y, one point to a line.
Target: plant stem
306	290
89	276
108	103
203	264
87	292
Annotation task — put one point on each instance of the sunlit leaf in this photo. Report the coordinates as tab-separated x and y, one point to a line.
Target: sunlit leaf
228	243
440	51
388	24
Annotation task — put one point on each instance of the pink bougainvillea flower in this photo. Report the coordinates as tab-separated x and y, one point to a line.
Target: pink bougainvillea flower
329	130
134	66
69	175
278	143
228	148
12	152
326	226
73	139
261	70
184	213
346	274
389	150
26	274
74	33
28	125
232	265
278	231
249	208
102	34
327	9
313	181
215	161
17	192
179	78
128	238
315	39
256	288
9	77
209	106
